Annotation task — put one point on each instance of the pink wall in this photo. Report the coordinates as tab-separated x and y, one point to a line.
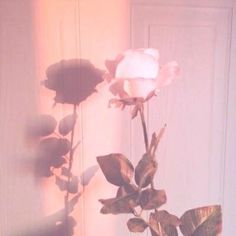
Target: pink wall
19	198
34	35
94	30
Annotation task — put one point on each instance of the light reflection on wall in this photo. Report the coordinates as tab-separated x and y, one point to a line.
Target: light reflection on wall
94	30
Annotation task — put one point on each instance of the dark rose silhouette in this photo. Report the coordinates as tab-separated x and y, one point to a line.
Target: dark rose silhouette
73	80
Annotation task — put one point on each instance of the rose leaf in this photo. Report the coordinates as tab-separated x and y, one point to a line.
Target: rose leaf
119	205
134	112
43	125
154	226
165	218
117	169
73	202
88	174
43	166
54	147
145	171
203	221
65	172
57	162
48	146
67	124
64	185
163	223
136	225
126	189
73	185
42	170
61	183
152	199
150	95
64	146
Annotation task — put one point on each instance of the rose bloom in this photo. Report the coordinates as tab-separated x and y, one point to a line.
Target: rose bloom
137	73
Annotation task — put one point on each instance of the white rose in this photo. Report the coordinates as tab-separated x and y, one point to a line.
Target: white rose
137	73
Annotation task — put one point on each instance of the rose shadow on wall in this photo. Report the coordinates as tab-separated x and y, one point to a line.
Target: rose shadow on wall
55	141
74	81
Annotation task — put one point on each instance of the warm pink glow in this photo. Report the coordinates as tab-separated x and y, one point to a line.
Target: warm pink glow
77	29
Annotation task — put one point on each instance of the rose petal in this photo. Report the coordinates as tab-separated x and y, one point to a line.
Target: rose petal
137	65
168	73
139	87
112	64
136	73
117	88
152	52
148	51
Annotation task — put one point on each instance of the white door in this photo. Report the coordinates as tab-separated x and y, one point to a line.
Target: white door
196	154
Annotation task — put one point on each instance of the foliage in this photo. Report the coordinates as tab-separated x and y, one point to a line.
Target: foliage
136	192
73	82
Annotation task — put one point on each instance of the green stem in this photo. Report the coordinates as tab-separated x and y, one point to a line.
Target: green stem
160	230
144	126
145	134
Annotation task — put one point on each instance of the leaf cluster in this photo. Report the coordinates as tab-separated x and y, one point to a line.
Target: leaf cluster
54	158
136	193
130	101
53	146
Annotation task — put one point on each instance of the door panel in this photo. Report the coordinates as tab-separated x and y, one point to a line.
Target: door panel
192	152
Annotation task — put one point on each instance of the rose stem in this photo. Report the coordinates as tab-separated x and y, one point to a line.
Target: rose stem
145	134
69	169
144	128
159	227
